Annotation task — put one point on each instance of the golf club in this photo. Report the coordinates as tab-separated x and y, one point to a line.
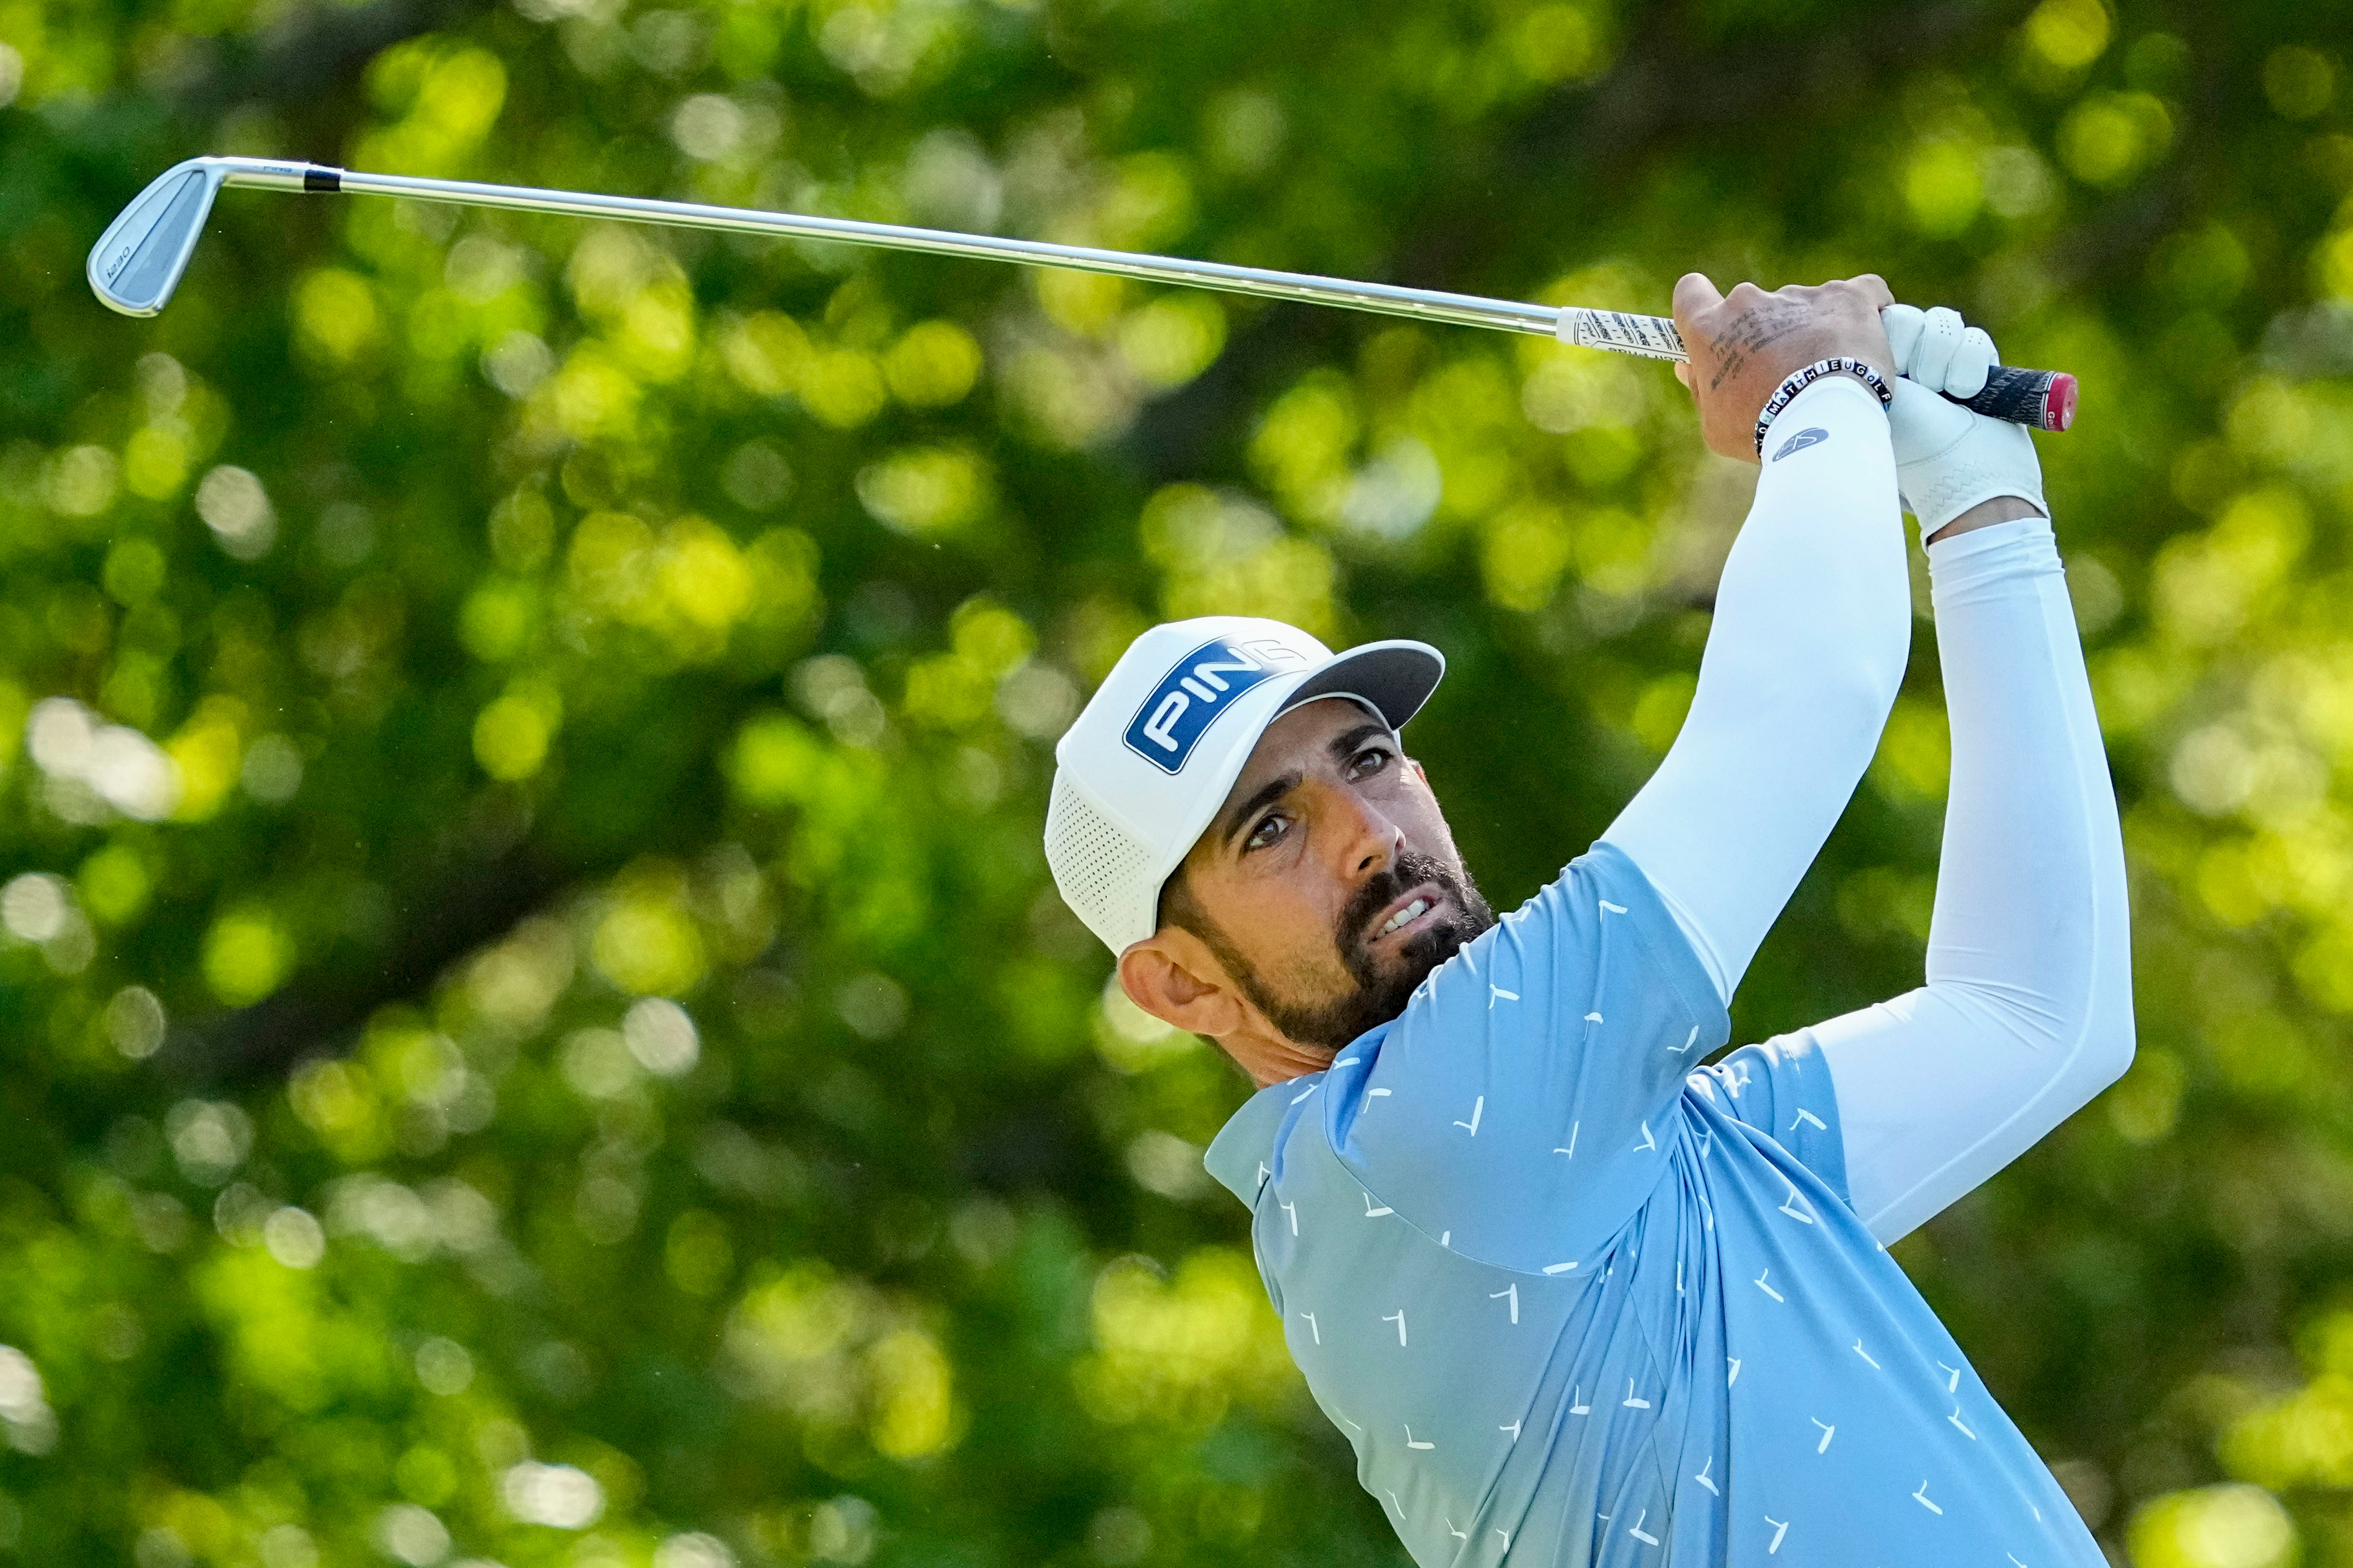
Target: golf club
137	261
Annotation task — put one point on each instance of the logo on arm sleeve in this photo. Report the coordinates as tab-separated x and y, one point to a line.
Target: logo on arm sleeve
1812	436
1202	685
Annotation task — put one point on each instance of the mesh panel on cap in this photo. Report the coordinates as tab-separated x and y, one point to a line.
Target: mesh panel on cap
1104	873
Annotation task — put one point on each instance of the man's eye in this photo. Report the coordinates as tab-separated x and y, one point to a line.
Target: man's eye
1264	833
1369	762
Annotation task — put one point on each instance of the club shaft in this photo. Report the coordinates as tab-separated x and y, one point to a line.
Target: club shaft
2043	399
1423	304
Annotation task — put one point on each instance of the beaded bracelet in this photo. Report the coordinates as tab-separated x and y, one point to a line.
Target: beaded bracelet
1786	392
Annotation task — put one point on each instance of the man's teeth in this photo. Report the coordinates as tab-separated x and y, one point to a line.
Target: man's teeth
1406	916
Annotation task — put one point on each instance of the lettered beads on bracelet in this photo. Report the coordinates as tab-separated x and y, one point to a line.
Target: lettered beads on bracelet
1786	392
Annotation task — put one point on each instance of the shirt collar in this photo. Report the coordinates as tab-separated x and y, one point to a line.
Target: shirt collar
1244	1149
1244	1146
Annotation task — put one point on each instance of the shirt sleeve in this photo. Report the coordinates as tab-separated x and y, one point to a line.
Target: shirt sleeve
1783	1089
1519	1111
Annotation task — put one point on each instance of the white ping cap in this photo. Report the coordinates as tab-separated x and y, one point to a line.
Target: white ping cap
1147	765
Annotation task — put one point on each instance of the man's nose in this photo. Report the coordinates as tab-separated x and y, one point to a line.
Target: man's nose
1370	843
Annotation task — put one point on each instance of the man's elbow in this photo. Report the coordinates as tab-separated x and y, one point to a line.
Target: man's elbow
2109	1051
2106	1041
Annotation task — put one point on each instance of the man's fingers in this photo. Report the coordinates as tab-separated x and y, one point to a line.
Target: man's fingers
1694	293
1973	361
1940	338
1933	348
1874	289
1903	324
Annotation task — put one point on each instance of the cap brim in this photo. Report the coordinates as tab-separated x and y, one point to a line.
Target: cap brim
1395	678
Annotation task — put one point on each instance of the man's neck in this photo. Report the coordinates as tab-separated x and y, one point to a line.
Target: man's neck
1270	1056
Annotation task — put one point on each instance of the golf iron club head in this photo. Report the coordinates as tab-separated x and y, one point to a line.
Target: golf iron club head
137	262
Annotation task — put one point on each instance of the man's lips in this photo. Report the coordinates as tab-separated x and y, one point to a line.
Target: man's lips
1427	895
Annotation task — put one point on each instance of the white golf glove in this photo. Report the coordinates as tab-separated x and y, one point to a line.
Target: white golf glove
1948	459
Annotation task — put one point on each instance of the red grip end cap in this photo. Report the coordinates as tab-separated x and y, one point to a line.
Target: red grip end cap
2059	403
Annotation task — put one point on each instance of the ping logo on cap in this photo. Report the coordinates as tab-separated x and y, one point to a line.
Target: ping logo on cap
1201	685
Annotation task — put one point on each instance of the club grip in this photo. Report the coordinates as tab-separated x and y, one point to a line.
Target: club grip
2040	399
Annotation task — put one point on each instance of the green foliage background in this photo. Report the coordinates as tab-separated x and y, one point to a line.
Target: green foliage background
535	1026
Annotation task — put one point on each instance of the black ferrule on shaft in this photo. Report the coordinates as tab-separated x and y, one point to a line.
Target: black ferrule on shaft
320	178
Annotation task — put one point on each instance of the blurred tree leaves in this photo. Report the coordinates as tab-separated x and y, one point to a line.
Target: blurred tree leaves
537	1027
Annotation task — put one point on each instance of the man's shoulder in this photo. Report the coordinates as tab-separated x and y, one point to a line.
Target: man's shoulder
1598	928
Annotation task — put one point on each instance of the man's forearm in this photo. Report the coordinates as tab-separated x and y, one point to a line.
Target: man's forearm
2028	1009
1812	627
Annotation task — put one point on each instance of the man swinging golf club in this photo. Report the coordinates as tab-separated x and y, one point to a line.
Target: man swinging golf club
1574	1298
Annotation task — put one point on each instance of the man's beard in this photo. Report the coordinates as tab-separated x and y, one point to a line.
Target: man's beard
1378	997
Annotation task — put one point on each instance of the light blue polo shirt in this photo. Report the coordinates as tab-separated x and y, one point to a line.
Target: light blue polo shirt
1575	1300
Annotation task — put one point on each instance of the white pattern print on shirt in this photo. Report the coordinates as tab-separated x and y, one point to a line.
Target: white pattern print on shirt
1801	1364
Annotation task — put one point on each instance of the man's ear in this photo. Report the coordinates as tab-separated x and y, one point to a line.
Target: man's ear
1172	975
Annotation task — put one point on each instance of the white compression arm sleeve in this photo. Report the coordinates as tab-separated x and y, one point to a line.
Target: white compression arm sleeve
1813	623
2027	1010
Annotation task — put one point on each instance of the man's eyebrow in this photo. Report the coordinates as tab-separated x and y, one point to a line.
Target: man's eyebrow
1266	795
1345	746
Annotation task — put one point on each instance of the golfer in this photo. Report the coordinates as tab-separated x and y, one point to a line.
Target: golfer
1573	1297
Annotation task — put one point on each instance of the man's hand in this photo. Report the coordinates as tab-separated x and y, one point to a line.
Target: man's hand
1745	343
1959	470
